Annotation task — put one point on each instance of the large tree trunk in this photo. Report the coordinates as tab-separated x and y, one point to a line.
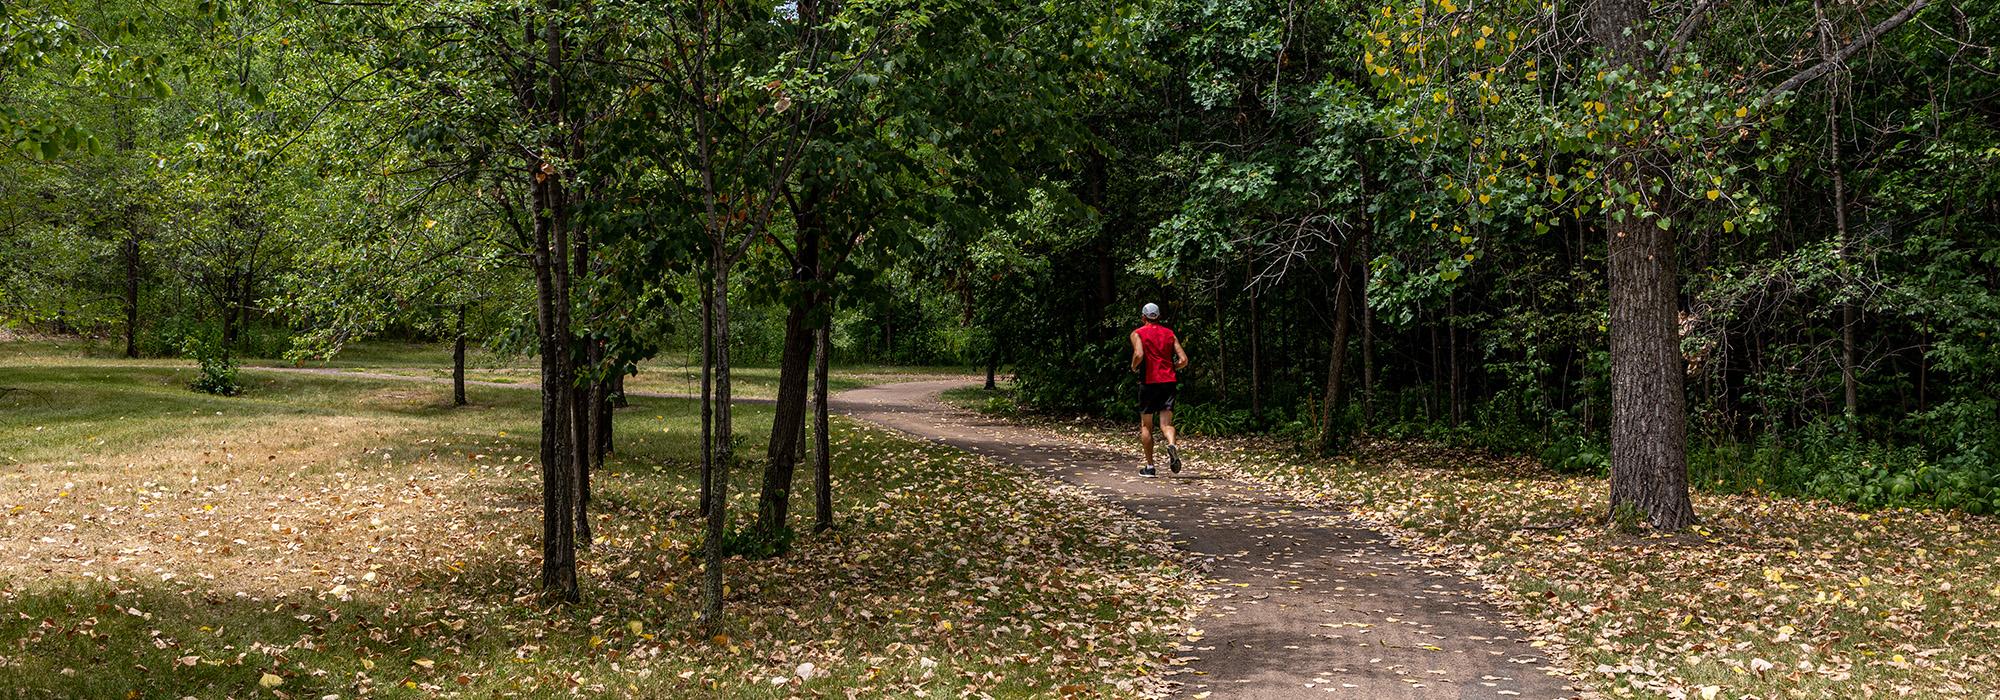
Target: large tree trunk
794	377
458	360
558	469
822	449
1648	417
560	515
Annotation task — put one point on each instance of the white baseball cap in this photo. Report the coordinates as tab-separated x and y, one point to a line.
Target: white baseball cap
1151	311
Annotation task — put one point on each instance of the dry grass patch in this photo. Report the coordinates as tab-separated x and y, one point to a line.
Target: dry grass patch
329	535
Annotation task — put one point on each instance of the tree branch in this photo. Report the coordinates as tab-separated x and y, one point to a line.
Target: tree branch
1839	57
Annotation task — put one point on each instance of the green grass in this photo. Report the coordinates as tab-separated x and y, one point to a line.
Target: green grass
347	536
998	401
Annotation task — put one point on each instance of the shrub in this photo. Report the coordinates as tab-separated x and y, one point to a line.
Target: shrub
217	374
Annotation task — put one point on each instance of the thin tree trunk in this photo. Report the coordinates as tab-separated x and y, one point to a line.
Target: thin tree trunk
992	367
1648	416
132	291
458	360
724	450
822	448
1436	377
1367	344
606	405
1850	386
794	378
583	426
707	388
1336	355
1451	346
1221	343
1256	359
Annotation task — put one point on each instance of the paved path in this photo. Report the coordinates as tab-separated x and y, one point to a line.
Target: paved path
1309	604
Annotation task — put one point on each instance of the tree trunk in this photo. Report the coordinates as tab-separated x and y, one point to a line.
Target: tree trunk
723	448
458	361
1457	394
228	317
588	410
992	367
1256	363
132	290
606	405
1336	355
822	449
794	378
707	389
1221	344
1648	417
1849	384
558	469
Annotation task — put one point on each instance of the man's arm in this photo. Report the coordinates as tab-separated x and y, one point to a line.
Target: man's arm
1180	355
1138	351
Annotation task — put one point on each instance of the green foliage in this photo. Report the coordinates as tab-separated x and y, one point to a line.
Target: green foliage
1576	454
216	369
1209	418
752	542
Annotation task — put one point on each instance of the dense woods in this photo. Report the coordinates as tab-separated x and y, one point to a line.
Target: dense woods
1689	244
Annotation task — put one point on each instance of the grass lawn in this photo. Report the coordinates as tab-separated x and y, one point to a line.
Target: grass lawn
1770	597
670	374
329	535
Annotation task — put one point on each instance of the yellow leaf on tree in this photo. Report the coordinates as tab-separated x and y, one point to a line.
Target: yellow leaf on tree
1712	194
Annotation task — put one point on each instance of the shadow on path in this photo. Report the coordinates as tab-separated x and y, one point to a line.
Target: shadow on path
1307	604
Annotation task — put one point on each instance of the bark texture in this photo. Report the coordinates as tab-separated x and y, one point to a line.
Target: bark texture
1648	412
822	448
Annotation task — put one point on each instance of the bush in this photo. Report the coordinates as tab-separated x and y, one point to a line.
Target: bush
1212	419
1576	455
218	370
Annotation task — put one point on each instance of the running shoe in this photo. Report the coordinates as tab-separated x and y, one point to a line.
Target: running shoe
1148	471
1174	459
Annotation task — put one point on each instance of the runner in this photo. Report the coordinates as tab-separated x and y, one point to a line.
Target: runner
1156	353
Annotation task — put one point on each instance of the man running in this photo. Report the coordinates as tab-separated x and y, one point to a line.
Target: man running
1156	353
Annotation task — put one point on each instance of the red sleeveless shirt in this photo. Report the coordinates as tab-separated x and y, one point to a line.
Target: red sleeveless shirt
1158	342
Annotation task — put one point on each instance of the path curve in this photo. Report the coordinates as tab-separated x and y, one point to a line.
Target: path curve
1308	604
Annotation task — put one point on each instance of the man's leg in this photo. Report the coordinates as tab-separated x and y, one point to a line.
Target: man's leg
1146	435
1167	426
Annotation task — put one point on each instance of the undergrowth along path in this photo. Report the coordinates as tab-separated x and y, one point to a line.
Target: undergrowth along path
1307	603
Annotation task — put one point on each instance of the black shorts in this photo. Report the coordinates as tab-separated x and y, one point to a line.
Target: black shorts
1154	398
